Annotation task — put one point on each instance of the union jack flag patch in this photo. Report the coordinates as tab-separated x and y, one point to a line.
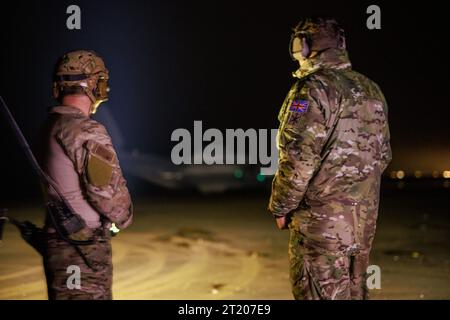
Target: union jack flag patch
299	106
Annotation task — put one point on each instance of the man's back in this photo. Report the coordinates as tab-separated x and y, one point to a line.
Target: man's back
79	156
333	147
59	166
357	150
91	197
340	207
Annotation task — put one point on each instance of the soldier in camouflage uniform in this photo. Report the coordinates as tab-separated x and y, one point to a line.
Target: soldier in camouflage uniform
333	147
78	155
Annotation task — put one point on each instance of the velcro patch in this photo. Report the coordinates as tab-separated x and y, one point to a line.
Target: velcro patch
299	106
99	172
100	164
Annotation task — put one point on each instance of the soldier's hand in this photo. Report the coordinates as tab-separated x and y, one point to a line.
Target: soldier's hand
282	223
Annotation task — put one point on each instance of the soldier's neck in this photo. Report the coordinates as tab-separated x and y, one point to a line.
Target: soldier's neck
79	101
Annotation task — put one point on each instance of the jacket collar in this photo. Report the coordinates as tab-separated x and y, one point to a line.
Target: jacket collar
66	110
329	59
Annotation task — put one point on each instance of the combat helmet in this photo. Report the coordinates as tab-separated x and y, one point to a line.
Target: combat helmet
319	33
81	71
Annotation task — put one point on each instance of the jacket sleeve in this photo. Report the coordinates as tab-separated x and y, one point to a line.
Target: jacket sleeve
301	138
386	151
89	146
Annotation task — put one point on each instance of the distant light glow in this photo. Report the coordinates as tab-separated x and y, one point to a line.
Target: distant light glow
260	177
400	174
238	173
435	174
446	174
418	174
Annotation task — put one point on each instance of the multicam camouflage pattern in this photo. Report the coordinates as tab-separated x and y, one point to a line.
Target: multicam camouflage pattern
104	200
317	273
331	158
95	272
83	69
84	140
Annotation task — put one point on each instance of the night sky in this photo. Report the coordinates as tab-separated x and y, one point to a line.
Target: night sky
225	63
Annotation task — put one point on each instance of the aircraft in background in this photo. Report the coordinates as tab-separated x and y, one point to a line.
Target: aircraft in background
160	170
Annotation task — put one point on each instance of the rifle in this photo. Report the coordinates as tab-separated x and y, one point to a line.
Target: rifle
29	232
63	217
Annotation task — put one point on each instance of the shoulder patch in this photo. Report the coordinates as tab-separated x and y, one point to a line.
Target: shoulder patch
100	164
299	106
99	172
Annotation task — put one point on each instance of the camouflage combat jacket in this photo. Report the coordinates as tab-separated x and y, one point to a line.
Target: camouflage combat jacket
79	157
333	143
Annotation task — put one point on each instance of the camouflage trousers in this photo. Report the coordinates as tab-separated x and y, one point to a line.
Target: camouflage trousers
93	261
324	275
